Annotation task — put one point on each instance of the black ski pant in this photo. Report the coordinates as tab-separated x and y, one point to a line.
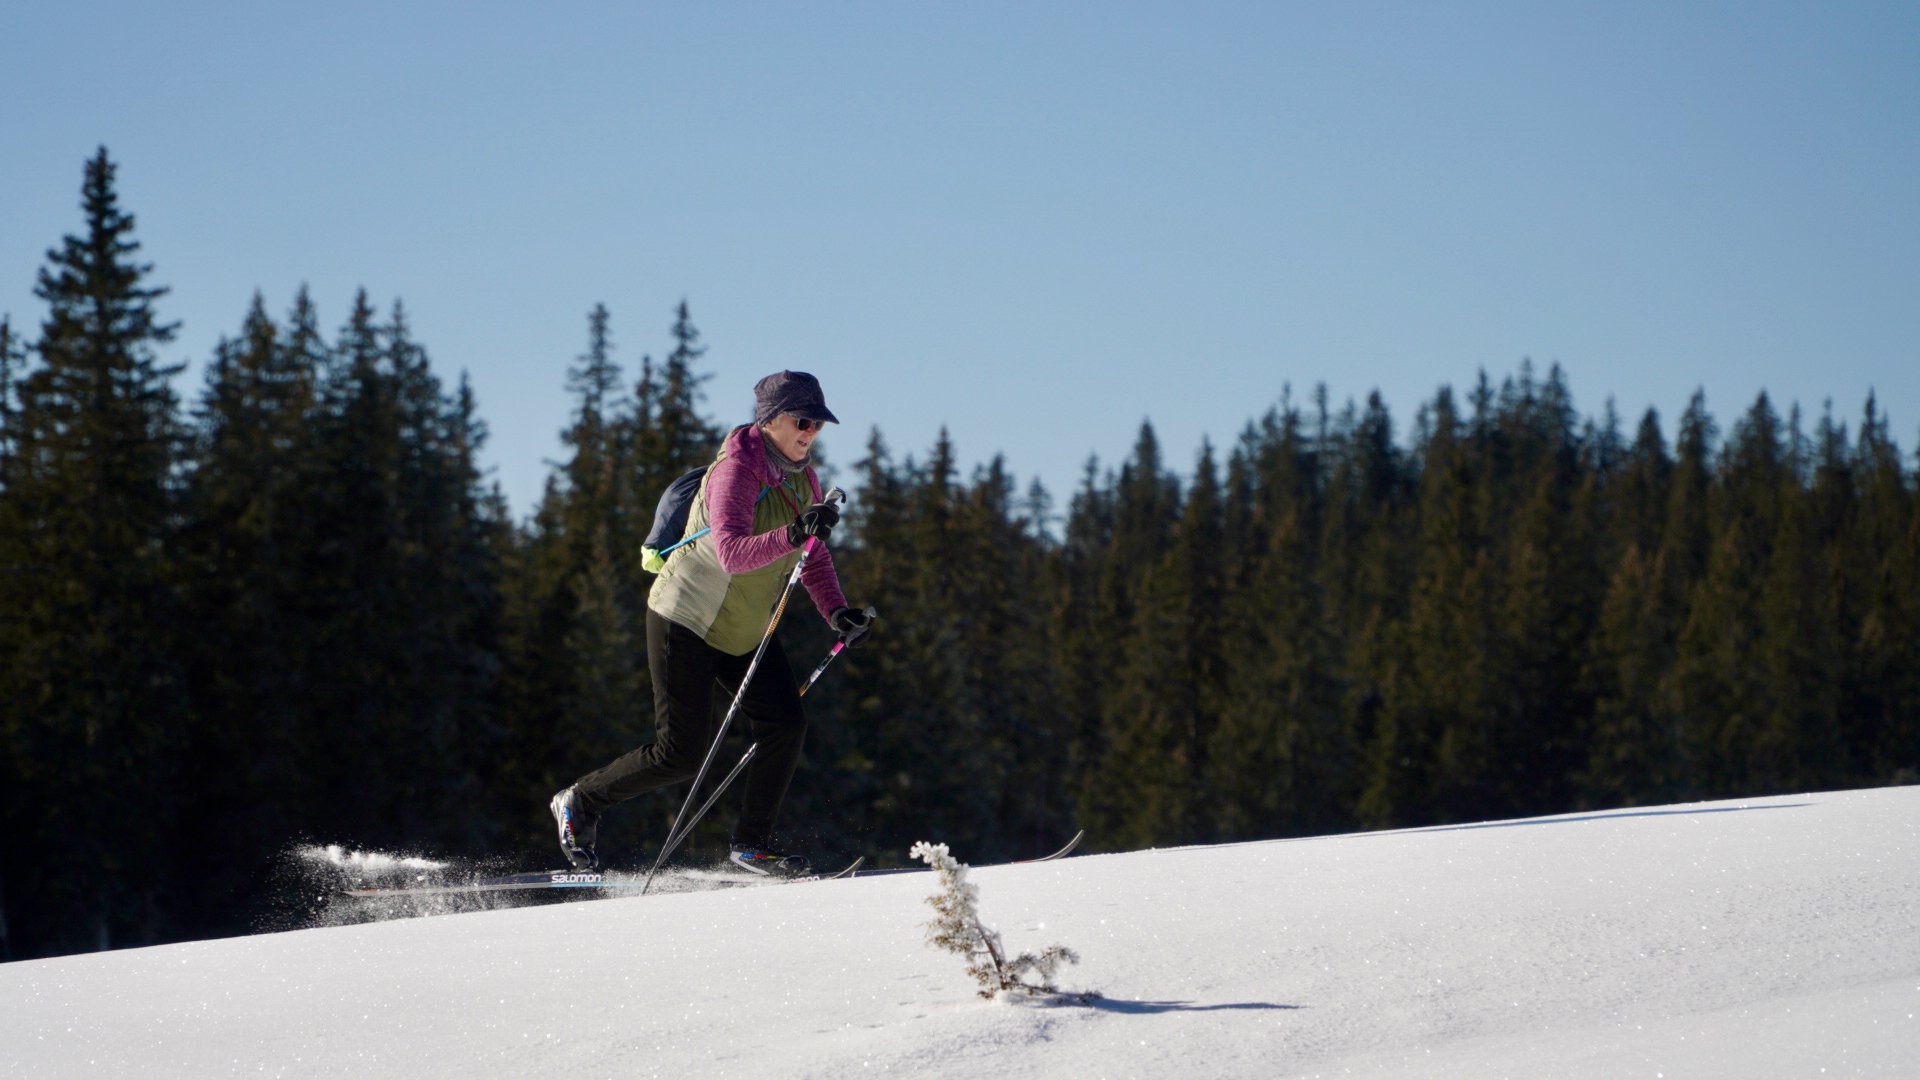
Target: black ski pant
685	670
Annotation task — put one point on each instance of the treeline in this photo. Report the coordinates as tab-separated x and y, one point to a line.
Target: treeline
295	610
1519	612
274	614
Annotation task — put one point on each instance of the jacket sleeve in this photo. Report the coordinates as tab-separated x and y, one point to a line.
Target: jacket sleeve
820	578
732	490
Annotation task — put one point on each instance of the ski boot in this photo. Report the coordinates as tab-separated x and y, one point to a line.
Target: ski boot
761	859
577	830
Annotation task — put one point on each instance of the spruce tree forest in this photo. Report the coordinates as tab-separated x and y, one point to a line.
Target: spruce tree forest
287	606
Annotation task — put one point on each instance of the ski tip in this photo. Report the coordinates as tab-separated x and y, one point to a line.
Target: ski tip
1065	851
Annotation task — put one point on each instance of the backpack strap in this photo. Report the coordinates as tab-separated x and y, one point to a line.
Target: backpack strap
665	551
655	561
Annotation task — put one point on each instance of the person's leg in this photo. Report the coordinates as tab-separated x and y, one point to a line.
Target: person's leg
773	717
683	669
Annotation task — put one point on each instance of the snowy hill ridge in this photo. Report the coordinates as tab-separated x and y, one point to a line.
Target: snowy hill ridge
1776	937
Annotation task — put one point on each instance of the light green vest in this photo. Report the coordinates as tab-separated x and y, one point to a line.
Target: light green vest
730	612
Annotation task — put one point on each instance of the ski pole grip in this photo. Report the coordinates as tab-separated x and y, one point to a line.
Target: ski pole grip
835	496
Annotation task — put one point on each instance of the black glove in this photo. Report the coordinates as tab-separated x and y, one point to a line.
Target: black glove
817	520
852	624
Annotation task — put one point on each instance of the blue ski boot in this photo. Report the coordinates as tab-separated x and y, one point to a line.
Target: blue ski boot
760	859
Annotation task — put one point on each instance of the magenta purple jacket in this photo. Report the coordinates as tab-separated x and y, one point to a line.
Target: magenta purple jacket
723	585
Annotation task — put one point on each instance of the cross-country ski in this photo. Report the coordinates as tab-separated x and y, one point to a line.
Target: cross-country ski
1064	851
605	881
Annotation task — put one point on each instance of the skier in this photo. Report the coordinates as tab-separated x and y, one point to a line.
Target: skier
707	614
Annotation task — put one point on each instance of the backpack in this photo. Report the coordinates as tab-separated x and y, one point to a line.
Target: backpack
670	519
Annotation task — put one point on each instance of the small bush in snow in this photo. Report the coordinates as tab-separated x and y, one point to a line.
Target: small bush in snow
958	929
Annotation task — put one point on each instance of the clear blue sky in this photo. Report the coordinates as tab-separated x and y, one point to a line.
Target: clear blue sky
1037	224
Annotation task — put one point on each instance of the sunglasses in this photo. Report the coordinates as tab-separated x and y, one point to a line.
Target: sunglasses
805	423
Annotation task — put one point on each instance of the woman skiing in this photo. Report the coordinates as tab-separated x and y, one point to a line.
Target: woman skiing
706	616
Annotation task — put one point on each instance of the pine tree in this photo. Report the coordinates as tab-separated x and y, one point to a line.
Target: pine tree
443	560
13	357
605	639
1365	558
1883	706
605	650
1799	659
12	565
598	490
88	680
397	660
1168	700
1687	534
1279	757
1632	757
951	777
566	602
1686	541
245	543
1045	729
538	609
594	380
576	684
674	435
1146	505
1639	495
875	726
994	568
1442	750
359	599
1547	594
1720	692
481	538
1081	635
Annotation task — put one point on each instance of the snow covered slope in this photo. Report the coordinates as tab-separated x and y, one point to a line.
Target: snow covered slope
1773	938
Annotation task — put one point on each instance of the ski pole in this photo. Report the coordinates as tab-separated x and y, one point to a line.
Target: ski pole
673	840
835	496
838	648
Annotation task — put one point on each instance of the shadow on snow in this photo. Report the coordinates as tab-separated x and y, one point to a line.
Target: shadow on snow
1150	1008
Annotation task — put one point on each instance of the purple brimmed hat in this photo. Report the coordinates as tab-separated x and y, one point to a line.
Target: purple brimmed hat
793	392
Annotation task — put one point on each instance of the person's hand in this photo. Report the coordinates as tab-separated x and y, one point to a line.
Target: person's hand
852	624
816	521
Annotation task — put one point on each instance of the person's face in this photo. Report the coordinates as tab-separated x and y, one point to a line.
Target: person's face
791	435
